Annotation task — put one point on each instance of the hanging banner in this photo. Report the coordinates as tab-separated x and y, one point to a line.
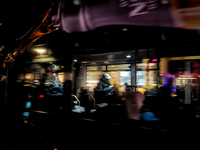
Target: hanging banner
90	15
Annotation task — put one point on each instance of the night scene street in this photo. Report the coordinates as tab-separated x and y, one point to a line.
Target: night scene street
102	74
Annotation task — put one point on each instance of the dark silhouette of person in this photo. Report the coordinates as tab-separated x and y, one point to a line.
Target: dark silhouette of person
105	86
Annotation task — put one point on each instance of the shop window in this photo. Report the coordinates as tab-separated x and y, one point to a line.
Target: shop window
143	66
146	75
92	79
96	68
140	76
120	78
118	67
145	78
120	74
61	76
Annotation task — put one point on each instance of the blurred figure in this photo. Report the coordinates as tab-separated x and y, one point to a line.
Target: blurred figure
104	85
154	91
51	82
147	114
52	78
128	89
104	92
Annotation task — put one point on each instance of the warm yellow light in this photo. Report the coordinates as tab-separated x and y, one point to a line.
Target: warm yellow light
185	78
41	51
28	77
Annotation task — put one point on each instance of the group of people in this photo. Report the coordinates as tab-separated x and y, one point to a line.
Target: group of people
53	86
105	86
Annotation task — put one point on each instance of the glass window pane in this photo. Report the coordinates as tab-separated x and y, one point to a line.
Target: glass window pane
118	67
144	76
92	79
61	76
96	68
120	78
140	76
92	68
143	66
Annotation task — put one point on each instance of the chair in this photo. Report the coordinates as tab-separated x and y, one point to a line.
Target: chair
133	102
91	98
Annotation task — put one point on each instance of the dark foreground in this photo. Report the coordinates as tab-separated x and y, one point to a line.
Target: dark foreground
61	131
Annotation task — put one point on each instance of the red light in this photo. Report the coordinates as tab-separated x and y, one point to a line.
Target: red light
154	60
41	96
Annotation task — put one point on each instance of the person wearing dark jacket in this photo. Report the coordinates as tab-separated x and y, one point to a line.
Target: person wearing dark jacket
104	94
104	85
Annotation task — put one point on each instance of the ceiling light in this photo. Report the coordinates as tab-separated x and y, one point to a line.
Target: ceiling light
128	56
41	51
75	60
124	29
77	2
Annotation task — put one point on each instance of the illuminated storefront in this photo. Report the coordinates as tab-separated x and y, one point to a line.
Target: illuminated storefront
185	76
121	75
131	74
138	69
34	72
147	75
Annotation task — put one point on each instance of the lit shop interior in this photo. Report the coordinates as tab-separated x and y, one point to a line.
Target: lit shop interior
141	74
39	58
134	70
125	69
139	70
184	73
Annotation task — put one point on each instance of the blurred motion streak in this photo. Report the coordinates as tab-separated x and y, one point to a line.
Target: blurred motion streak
158	13
44	28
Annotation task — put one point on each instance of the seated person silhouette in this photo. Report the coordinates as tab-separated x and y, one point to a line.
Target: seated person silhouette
105	89
51	82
